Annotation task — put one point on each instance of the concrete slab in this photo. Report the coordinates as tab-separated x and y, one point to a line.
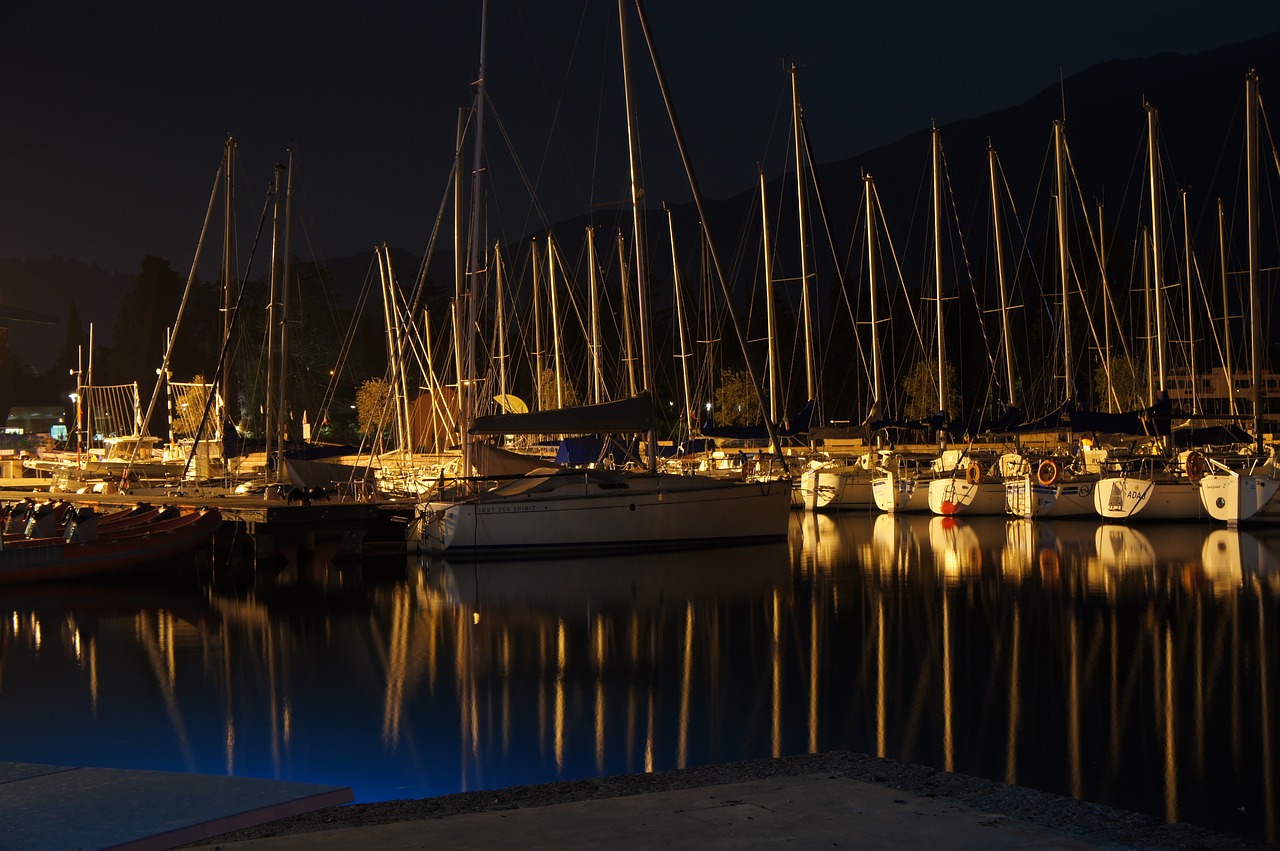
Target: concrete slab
806	811
56	807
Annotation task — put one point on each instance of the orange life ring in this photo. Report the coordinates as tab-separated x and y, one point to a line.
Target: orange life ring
1047	473
973	475
1195	466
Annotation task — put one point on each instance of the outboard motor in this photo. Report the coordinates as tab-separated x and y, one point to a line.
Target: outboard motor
41	523
17	519
83	526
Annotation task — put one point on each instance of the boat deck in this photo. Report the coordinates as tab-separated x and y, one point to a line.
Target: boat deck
50	806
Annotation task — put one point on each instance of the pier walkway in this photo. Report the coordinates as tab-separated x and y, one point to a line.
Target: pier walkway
810	801
56	807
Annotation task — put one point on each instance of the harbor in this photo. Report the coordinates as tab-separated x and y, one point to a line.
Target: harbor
1126	666
591	420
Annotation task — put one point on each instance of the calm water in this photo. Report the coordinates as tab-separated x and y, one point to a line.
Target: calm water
1132	667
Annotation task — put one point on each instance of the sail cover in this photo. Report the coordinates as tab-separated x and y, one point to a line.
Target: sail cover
625	415
799	424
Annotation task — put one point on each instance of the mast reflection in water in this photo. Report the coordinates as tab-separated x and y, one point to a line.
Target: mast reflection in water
1134	667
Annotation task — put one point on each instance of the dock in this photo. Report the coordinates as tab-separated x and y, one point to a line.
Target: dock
364	527
57	807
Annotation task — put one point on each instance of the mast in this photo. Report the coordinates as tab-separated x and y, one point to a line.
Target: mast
937	267
1255	301
771	320
680	336
597	391
1005	330
692	179
1226	310
400	383
269	409
1061	204
282	423
637	216
806	308
388	318
459	272
500	323
536	299
555	321
1191	326
88	403
1157	266
1149	302
468	388
439	413
80	401
877	388
1108	313
628	343
230	392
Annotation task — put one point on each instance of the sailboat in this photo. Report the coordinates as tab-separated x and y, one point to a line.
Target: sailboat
1239	492
552	509
833	483
974	484
903	483
1149	484
556	509
1053	484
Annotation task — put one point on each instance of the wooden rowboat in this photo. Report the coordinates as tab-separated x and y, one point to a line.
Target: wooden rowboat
44	559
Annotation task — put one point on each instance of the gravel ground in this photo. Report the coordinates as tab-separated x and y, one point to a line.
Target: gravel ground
1095	823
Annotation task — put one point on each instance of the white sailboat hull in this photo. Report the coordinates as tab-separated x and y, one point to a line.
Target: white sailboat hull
1132	498
836	488
954	495
579	513
1027	498
894	493
1236	498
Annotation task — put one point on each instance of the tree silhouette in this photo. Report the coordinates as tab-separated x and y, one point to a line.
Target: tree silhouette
74	354
145	312
9	367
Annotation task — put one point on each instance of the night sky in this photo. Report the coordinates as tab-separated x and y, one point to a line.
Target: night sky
116	114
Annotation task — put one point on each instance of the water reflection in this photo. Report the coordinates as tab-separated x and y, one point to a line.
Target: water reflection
601	644
1068	656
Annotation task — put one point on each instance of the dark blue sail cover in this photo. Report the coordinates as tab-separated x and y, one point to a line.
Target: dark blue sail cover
799	424
1157	419
593	448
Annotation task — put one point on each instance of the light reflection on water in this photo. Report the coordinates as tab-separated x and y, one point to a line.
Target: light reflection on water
1129	666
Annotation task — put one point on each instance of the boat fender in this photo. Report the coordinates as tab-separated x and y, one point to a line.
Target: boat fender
973	475
1195	466
1047	472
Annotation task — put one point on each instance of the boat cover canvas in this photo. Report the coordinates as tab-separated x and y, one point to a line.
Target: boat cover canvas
626	415
799	424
